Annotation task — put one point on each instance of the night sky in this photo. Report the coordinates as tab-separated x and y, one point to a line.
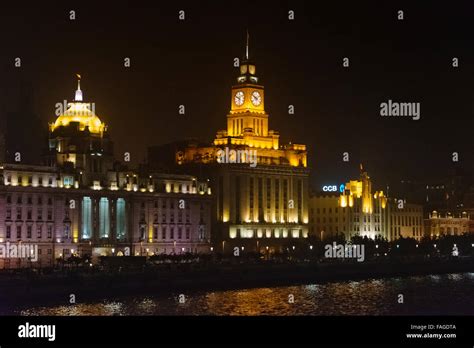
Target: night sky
300	62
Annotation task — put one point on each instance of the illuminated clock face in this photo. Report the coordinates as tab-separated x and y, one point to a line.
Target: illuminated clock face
239	98
256	98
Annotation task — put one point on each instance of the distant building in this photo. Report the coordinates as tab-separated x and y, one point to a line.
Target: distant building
359	211
406	222
84	203
21	130
453	194
436	197
438	225
327	219
468	203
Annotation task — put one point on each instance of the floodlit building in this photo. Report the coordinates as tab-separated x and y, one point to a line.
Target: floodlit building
438	225
357	210
260	186
85	203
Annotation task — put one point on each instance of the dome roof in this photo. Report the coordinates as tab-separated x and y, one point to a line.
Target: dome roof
81	113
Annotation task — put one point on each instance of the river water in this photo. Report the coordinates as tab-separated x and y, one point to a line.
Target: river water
448	294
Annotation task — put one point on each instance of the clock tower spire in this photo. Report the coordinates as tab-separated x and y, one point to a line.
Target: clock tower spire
247	47
247	67
247	116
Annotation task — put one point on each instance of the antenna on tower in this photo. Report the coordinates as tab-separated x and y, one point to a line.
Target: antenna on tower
247	47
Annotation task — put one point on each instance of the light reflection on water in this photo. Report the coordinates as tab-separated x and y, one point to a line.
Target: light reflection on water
449	294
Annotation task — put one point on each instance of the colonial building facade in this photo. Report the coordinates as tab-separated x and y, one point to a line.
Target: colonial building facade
260	187
84	203
357	210
437	225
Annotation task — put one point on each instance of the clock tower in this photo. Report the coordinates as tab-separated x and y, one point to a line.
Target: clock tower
247	112
260	189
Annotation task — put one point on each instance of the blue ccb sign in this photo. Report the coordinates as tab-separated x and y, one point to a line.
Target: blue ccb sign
333	188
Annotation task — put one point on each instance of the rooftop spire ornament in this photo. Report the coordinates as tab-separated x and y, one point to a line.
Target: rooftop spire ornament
78	96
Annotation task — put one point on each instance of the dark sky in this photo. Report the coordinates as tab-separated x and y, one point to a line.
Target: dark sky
300	63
